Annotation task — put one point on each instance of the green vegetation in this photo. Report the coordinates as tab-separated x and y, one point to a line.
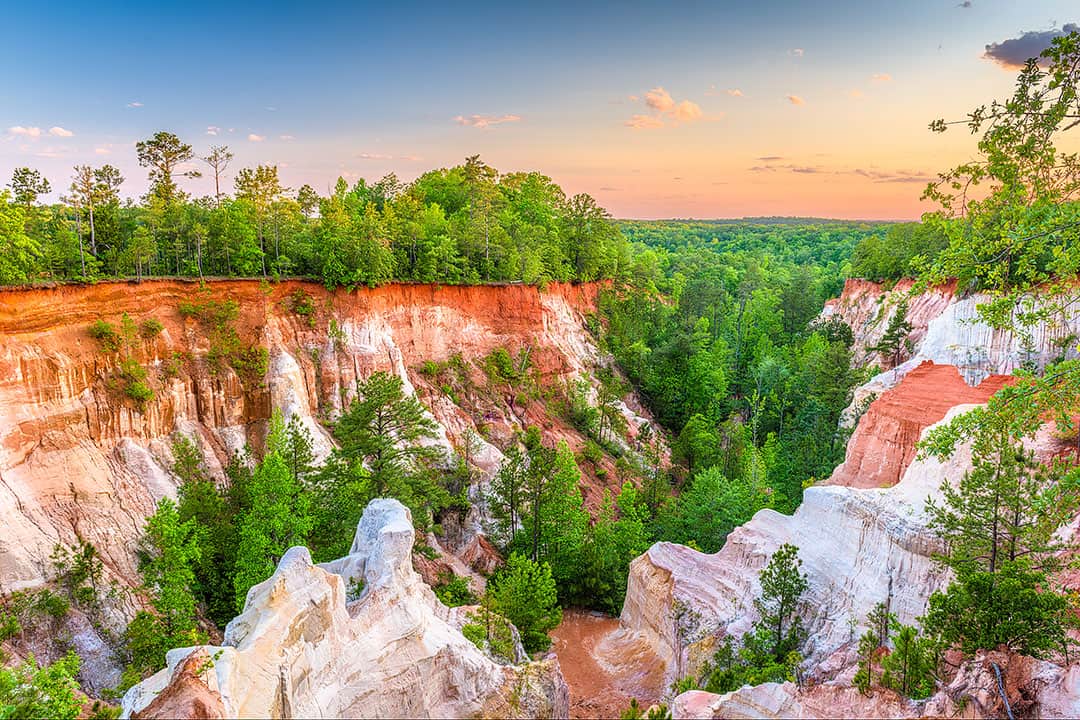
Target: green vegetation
453	590
769	652
29	690
524	593
106	335
465	224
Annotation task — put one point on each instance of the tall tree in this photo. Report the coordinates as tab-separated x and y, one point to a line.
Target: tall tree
219	158
28	184
261	187
163	153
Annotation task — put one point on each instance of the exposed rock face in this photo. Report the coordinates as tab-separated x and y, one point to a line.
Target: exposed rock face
80	460
946	330
301	649
858	547
883	444
1033	689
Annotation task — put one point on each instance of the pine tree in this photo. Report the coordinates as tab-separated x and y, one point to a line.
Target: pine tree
524	593
894	341
279	517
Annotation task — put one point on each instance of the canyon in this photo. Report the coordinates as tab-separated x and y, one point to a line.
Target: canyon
80	461
862	533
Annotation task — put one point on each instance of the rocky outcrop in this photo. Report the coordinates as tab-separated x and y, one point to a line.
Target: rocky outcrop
1033	688
859	547
79	460
302	648
882	446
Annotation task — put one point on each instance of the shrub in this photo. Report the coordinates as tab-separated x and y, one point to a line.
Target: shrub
251	364
301	303
150	328
453	590
107	335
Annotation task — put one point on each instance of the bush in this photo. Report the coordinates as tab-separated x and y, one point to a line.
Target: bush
150	328
251	364
453	590
107	336
524	593
301	303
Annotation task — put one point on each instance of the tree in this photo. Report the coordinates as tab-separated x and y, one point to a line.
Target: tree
168	553
262	188
524	593
278	518
19	251
911	666
163	153
894	341
999	529
28	184
29	690
219	158
505	496
385	429
769	652
782	584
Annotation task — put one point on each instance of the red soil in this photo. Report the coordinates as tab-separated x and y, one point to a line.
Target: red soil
883	444
584	644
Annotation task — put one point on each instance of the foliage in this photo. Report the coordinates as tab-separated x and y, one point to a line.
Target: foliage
894	341
29	690
636	712
769	652
384	429
106	335
999	528
453	590
524	593
463	224
150	328
492	633
168	552
278	516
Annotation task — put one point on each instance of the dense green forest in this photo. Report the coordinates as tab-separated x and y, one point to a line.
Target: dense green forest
465	224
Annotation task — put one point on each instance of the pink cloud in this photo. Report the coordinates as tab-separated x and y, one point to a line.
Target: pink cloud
486	121
660	100
881	77
795	100
25	131
687	111
644	122
57	131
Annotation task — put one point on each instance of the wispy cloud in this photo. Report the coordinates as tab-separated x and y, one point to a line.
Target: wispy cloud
57	131
135	104
256	138
24	131
1011	54
486	121
881	77
770	158
796	52
287	138
387	156
795	99
212	130
102	151
644	122
871	174
965	4
857	94
735	92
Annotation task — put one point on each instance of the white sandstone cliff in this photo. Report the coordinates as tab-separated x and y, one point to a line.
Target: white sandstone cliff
301	649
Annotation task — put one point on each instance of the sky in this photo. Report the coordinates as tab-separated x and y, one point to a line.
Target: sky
659	110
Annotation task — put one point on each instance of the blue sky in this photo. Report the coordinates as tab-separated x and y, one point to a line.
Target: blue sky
837	93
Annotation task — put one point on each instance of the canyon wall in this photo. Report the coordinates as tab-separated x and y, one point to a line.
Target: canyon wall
302	647
80	460
862	534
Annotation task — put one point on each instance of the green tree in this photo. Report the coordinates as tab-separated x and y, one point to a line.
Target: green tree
29	690
524	593
168	553
782	585
894	341
28	184
386	429
278	518
162	153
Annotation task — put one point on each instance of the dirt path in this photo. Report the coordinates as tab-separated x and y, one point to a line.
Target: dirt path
603	671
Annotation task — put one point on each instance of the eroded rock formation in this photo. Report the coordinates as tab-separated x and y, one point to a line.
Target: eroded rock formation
300	648
859	547
79	460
